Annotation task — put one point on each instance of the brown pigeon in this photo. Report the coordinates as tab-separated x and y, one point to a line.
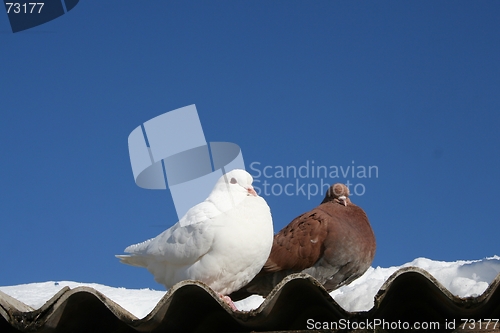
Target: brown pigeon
334	243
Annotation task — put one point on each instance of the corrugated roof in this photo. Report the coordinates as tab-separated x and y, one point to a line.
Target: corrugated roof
298	303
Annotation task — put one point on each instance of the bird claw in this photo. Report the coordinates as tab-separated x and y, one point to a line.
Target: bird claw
229	302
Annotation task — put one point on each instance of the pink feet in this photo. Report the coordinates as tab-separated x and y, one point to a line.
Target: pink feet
229	302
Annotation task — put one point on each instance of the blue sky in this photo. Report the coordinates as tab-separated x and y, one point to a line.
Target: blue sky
409	87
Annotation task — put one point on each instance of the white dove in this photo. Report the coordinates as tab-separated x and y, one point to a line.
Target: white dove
223	241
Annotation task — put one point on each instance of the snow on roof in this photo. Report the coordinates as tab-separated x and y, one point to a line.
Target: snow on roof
422	291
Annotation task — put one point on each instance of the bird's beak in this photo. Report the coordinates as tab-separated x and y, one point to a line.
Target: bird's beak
251	191
343	200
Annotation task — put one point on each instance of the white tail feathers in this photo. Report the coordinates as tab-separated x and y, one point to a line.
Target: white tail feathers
133	260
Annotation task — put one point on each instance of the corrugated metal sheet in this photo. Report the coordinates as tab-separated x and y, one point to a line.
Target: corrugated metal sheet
409	296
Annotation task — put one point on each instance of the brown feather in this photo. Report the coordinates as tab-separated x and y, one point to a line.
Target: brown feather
300	244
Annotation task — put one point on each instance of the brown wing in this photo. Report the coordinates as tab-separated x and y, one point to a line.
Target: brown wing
300	244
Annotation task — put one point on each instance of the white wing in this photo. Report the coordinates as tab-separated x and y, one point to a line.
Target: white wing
203	211
178	245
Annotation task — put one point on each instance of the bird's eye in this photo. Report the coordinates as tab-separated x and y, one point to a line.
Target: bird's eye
233	181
